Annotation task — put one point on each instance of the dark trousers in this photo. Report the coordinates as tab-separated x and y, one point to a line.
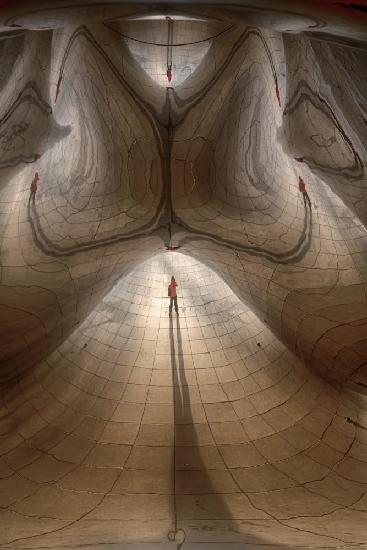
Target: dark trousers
171	302
306	197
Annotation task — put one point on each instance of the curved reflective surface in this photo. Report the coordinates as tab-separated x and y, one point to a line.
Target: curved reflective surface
226	145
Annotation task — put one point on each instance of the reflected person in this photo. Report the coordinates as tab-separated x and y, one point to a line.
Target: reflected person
33	188
302	188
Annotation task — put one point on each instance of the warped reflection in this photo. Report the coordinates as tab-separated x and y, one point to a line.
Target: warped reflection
224	144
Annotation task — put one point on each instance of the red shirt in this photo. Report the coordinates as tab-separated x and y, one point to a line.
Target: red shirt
173	287
302	186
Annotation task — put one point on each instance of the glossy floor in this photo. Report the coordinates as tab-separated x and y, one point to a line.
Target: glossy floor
197	428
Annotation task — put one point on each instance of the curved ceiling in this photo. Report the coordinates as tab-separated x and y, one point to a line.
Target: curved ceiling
188	128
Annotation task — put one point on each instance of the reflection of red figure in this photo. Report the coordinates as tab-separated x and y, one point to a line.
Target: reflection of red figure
302	188
34	187
277	92
169	75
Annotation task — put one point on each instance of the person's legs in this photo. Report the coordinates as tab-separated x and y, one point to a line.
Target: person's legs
176	305
170	305
308	199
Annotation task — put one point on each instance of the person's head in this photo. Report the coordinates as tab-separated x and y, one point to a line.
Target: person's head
36	176
172	279
299	178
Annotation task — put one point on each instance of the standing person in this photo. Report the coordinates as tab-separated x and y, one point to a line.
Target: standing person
173	295
302	188
34	187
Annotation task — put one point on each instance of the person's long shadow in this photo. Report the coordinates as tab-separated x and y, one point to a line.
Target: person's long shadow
290	256
51	248
195	500
200	510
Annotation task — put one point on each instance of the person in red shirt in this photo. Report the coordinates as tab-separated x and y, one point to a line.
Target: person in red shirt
34	187
173	295
302	188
